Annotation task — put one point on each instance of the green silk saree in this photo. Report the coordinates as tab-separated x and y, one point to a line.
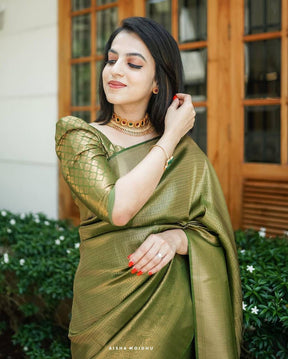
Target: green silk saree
194	298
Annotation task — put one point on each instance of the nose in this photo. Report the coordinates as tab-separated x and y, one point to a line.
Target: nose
117	69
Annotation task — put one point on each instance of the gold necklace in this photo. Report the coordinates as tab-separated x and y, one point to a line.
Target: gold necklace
138	128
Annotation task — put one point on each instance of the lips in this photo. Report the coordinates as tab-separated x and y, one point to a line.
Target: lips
116	84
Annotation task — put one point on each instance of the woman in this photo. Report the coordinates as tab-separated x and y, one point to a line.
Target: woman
158	275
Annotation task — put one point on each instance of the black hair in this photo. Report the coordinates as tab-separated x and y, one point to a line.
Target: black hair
168	68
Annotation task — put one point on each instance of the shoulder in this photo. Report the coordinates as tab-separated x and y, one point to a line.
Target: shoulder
193	149
195	157
76	126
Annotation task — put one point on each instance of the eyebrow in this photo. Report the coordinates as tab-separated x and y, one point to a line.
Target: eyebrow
129	54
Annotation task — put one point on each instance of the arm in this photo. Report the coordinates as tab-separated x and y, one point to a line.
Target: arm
134	189
87	171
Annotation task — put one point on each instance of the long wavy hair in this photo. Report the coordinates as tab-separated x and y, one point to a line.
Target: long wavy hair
168	71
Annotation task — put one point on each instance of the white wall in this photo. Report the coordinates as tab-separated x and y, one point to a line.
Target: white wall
28	106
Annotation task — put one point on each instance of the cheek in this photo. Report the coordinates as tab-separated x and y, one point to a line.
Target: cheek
104	73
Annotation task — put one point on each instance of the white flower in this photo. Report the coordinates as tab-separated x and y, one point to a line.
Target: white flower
47	223
4	213
6	258
9	230
77	245
25	349
68	251
61	229
242	251
255	310
22	215
262	232
22	262
250	268
61	238
12	222
57	241
244	306
37	220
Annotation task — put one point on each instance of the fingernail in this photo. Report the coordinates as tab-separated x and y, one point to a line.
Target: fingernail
139	273
174	97
150	273
129	256
133	270
130	264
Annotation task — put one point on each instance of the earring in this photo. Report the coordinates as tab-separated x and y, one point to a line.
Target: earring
155	90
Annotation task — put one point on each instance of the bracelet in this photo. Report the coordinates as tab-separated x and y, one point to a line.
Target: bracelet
169	160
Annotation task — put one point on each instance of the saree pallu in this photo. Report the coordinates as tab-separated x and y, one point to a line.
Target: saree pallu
195	297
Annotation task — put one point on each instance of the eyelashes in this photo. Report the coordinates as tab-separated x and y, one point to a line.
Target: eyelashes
133	66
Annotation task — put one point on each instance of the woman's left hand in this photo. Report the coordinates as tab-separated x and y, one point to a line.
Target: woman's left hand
158	250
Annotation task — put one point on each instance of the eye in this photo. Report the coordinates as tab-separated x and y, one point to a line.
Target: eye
134	66
111	62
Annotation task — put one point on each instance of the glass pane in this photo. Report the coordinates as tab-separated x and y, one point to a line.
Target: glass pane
103	2
199	131
107	21
85	115
160	11
192	20
80	4
262	16
81	36
80	84
262	134
263	69
195	71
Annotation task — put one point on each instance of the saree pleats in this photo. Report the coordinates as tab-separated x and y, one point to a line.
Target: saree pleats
194	300
121	310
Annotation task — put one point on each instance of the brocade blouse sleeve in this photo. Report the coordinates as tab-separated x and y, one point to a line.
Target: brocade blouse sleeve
85	166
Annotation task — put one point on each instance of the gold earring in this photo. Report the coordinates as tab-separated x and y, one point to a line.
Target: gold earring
155	90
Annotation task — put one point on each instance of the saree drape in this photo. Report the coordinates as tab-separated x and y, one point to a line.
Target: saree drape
195	297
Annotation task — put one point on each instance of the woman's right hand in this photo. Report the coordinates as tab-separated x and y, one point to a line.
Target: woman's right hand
180	116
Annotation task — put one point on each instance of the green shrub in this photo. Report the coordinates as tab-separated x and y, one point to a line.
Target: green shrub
38	259
264	275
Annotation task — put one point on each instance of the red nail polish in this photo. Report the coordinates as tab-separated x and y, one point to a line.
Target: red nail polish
139	273
174	97
150	273
129	256
133	270
130	264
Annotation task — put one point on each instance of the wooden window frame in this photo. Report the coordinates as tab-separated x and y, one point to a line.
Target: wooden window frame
242	170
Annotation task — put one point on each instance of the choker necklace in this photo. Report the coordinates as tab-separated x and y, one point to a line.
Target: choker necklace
138	128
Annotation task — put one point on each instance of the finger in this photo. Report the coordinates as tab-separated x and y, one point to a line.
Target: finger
184	97
143	249
149	257
175	103
165	260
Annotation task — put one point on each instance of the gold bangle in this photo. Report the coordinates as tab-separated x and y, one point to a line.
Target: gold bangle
169	160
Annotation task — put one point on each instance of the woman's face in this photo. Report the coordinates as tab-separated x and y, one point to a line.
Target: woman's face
128	76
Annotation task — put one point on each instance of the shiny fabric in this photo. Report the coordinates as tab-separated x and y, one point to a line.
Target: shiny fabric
195	297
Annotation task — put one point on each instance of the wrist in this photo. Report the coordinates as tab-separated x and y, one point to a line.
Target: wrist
182	245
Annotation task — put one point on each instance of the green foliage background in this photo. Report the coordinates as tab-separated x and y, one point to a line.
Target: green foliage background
38	259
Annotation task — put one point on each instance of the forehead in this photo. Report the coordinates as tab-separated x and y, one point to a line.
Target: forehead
129	42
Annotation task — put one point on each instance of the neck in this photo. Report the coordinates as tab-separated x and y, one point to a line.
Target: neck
131	114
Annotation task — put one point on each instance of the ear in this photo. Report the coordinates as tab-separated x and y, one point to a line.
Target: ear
154	84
